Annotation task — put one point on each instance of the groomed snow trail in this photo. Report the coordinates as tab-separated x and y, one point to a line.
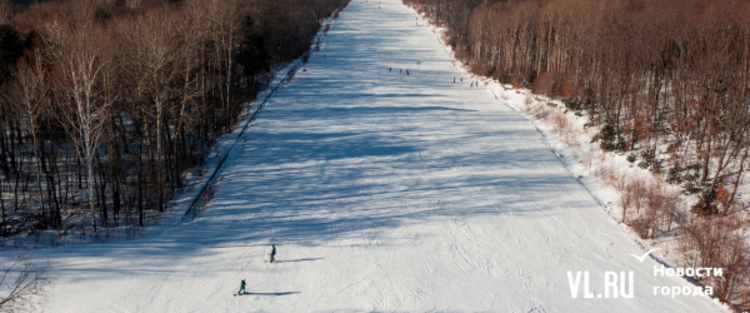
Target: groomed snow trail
383	192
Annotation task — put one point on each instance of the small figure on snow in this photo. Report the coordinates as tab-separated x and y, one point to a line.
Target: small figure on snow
407	72
272	254
390	69
454	80
242	288
399	71
472	83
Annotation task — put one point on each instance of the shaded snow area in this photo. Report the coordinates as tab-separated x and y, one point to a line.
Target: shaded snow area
383	192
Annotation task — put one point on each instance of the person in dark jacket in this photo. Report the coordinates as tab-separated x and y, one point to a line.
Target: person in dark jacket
242	287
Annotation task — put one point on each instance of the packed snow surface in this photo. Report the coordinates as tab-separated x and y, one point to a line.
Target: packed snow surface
382	192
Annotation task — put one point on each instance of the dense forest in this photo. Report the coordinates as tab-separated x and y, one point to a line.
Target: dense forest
665	82
106	106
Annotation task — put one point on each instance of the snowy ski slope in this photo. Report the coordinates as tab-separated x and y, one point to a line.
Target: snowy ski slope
383	192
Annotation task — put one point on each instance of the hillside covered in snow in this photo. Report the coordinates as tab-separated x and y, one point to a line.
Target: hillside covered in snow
389	182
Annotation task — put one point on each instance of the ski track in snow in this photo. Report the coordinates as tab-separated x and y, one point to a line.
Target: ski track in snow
382	192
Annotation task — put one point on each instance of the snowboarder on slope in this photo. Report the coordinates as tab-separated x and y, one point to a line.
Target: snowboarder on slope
242	287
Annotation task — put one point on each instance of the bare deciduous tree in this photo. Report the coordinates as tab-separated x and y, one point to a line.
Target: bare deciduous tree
84	113
31	91
22	285
117	100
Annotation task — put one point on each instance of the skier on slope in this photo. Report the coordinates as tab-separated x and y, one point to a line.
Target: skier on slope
242	288
271	252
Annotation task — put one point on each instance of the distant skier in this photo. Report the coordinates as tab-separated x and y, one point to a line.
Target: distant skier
272	254
390	69
242	288
400	71
472	83
407	72
454	80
